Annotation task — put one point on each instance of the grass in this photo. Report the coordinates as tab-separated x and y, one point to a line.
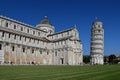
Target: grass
99	72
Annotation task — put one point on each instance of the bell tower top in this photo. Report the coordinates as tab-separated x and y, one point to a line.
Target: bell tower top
97	23
45	16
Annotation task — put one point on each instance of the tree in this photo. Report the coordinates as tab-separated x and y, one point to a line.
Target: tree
106	59
112	57
86	59
115	61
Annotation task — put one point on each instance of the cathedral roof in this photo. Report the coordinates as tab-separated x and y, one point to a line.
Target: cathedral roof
21	23
62	31
45	21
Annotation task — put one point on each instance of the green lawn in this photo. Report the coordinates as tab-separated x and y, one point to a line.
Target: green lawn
105	72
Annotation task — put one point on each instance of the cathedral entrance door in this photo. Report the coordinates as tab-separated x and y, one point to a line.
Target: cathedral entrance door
61	61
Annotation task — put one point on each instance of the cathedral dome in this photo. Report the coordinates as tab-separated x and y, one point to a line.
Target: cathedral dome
45	25
45	21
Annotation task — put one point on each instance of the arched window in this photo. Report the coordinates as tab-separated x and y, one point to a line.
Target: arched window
98	26
14	26
0	46
32	50
27	30
33	32
13	48
56	53
50	31
47	53
40	51
9	35
15	36
20	37
23	49
3	34
38	33
25	38
99	31
21	28
6	25
30	40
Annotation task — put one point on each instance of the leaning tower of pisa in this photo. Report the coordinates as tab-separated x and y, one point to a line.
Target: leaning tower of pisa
97	43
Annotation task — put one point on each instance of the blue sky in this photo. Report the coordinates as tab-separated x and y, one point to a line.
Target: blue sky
64	14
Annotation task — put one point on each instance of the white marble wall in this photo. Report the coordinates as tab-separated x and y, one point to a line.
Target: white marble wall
30	47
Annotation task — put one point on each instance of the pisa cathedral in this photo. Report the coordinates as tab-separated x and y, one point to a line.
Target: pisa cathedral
21	43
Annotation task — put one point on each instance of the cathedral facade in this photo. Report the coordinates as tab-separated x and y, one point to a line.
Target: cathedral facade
21	43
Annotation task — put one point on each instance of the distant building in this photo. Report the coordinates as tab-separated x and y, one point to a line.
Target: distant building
97	43
118	57
21	43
